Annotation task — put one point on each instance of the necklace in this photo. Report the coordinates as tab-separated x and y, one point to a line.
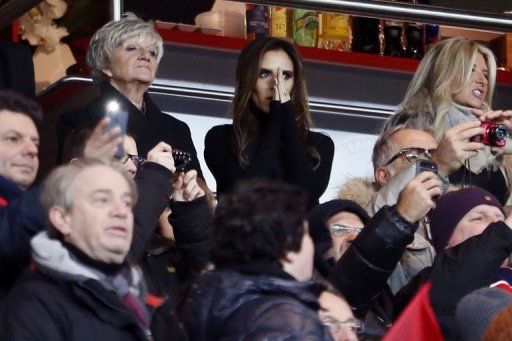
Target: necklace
143	107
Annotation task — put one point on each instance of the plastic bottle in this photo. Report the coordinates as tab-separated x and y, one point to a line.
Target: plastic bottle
257	21
305	27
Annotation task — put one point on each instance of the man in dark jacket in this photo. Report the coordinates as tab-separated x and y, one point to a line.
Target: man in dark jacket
263	257
473	241
82	287
360	271
20	213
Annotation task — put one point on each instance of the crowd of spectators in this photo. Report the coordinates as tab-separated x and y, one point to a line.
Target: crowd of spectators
136	246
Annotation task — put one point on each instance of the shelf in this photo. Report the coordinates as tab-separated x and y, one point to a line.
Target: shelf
364	60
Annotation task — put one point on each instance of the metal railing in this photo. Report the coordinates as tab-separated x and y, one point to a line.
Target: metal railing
227	96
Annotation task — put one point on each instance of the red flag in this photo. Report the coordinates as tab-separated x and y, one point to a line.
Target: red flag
418	321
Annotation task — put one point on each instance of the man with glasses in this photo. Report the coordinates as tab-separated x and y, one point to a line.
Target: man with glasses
394	159
358	261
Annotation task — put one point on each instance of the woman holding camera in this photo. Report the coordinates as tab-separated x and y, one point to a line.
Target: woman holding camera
452	91
270	136
123	57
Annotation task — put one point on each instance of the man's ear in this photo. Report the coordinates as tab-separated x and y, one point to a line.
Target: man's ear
60	219
382	175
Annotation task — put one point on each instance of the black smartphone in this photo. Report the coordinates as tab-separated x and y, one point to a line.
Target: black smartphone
423	165
118	117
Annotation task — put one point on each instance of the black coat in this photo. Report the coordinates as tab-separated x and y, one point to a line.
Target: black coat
278	153
53	307
460	270
228	305
168	266
362	272
23	217
147	129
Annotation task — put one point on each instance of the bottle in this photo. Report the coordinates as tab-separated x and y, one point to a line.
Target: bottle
305	27
257	21
415	39
414	35
365	35
431	35
334	32
393	38
281	25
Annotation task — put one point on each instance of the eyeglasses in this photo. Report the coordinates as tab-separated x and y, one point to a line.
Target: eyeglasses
412	154
136	159
343	229
355	325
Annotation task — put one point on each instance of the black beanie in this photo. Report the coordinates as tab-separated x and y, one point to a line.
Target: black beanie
318	216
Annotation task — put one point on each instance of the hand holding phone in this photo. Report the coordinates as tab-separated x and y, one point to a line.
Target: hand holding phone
118	117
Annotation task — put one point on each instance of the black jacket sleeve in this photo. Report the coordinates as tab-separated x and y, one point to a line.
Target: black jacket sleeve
362	272
193	231
466	267
154	187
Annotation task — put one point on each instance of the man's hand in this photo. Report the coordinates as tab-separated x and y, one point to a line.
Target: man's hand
162	154
186	187
416	199
455	147
101	144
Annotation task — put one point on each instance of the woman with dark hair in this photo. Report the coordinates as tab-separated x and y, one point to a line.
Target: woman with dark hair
270	136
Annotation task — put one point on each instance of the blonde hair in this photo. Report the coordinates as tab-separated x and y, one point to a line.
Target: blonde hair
445	70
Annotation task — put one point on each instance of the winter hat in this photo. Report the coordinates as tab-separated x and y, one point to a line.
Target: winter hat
476	310
319	231
500	328
451	208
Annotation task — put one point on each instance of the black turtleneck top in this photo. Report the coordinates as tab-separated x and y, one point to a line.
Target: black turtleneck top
279	152
147	128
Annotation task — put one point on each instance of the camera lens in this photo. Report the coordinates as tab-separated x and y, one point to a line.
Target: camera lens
499	132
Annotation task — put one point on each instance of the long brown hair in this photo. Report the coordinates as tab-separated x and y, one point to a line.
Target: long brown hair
245	124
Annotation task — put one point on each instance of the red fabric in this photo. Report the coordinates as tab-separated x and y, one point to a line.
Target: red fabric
3	202
503	286
154	301
418	321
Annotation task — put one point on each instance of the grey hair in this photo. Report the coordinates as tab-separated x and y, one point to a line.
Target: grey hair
58	188
384	149
112	35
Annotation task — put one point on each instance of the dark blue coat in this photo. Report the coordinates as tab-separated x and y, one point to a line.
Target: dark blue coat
228	305
20	220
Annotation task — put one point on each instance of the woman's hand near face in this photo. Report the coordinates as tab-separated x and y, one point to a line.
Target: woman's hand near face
280	93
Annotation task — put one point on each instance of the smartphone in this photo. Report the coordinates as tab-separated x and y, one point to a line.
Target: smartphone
423	165
118	117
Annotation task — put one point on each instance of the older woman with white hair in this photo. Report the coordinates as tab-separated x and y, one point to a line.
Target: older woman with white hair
123	57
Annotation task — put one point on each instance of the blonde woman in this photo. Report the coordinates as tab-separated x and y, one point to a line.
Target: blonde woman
452	91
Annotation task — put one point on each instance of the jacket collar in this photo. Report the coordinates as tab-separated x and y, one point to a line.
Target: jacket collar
9	190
